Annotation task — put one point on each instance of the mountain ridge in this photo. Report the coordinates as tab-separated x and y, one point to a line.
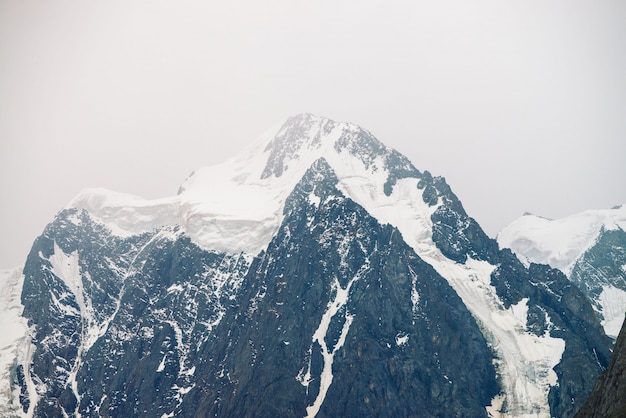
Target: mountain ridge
607	398
320	276
260	172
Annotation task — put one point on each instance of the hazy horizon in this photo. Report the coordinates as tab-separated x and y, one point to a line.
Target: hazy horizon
519	105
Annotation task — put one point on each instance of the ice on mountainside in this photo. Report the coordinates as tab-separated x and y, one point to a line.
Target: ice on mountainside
613	303
328	353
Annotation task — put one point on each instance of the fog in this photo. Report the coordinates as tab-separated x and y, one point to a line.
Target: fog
520	105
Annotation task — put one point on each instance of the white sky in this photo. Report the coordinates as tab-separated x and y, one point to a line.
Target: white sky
521	105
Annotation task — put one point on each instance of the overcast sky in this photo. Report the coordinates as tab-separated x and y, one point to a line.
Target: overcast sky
521	105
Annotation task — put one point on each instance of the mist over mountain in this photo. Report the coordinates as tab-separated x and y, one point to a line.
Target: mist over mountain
317	273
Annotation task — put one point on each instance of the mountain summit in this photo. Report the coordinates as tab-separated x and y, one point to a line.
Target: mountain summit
237	205
318	273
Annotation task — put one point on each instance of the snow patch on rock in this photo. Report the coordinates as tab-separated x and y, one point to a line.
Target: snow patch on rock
66	267
613	303
328	353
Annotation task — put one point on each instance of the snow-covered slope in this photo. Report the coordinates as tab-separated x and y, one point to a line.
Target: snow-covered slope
15	345
233	206
588	247
237	205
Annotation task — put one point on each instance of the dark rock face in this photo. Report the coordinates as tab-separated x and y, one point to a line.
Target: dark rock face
59	322
456	234
608	398
146	360
586	346
146	300
20	381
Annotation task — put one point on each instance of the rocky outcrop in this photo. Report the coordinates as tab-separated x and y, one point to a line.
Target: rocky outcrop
608	398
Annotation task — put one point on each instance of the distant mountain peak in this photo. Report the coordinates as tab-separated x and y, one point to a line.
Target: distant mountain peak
558	242
589	247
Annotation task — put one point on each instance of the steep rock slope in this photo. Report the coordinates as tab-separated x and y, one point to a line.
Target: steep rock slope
608	398
316	274
589	247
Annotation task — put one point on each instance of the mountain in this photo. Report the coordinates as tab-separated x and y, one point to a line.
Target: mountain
589	247
607	399
318	273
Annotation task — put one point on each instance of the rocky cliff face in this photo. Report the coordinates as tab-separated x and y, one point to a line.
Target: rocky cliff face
373	294
608	398
600	272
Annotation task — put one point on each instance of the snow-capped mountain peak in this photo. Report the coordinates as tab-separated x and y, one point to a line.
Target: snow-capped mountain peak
314	239
559	242
243	198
